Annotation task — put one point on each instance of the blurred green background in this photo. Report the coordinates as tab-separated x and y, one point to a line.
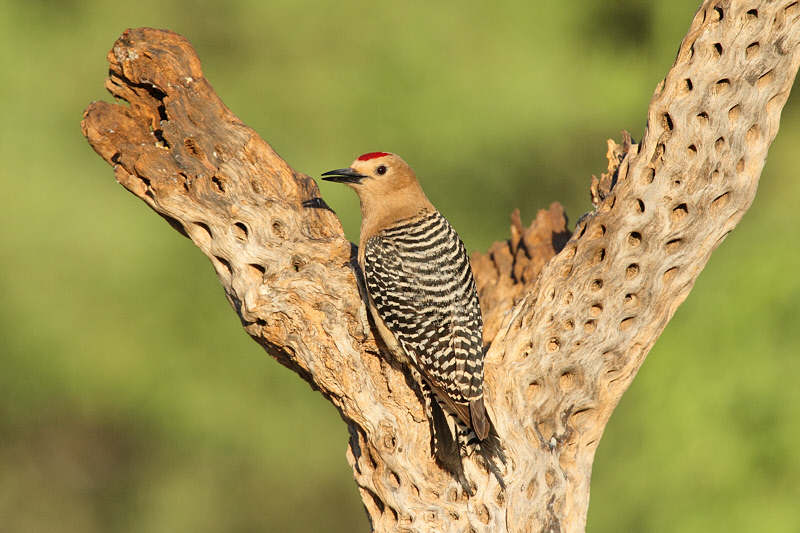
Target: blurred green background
132	400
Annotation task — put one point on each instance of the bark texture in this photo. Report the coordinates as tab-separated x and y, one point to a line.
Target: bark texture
569	317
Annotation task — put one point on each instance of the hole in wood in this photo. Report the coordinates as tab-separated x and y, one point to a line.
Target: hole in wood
161	141
649	176
179	227
631	300
218	184
673	246
667	121
598	231
638	205
752	134
734	113
193	148
483	513
566	381
679	213
596	285
752	14
389	441
590	326
717	50
740	166
632	271
596	310
717	14
669	274
241	231
720	201
258	270
626	323
721	86
224	263
719	144
582	417
376	501
752	51
702	118
691	150
634	239
530	490
370	460
298	263
599	256
279	229
687	85
533	390
206	230
765	80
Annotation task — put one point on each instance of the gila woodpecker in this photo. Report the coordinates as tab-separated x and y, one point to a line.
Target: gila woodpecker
422	297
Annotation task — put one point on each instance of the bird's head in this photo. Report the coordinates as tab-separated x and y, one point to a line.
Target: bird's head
385	184
375	170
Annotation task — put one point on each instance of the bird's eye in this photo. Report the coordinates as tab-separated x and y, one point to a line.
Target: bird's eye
381	170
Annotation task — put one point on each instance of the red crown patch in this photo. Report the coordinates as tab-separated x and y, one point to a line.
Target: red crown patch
372	155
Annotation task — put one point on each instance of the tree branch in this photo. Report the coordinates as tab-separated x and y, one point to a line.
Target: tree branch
567	332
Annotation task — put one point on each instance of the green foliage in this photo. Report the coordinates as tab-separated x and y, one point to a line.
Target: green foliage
130	398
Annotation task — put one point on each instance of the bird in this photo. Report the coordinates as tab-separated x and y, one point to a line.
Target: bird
421	294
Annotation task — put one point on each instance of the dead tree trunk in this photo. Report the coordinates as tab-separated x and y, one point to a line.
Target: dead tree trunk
567	332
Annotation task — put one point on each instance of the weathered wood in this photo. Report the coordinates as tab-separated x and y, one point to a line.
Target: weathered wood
570	319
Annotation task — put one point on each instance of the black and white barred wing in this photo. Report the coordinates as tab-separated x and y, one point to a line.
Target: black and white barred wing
418	275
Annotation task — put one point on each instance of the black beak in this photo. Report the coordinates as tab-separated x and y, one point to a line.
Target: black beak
344	175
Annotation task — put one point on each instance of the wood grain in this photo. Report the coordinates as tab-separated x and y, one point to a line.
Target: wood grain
569	318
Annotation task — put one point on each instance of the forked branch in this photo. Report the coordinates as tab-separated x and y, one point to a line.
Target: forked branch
568	332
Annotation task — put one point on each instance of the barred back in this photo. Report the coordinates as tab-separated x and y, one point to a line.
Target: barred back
419	277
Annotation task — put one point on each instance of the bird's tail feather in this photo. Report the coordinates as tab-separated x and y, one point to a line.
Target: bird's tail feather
452	439
488	450
444	443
